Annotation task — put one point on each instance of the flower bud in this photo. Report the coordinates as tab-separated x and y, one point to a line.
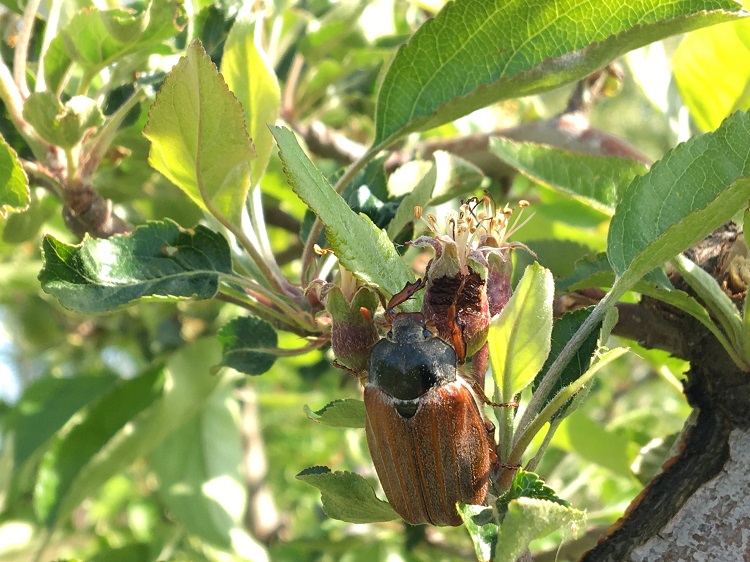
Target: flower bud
353	330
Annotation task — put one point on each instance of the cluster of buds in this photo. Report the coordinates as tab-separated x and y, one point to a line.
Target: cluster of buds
468	281
352	307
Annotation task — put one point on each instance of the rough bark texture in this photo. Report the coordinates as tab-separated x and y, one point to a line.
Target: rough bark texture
697	507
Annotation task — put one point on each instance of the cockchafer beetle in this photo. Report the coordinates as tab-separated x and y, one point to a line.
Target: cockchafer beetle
428	438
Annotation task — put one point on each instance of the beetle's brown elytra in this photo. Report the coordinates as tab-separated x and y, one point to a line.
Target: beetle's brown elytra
425	430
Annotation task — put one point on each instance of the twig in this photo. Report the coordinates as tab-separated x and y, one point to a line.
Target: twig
288	112
22	46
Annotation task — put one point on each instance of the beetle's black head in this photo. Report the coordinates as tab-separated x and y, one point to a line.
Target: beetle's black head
409	327
410	361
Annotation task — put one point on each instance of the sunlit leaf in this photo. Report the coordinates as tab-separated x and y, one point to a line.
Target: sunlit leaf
587	439
198	136
477	52
63	125
340	413
519	337
527	519
96	38
46	405
347	496
61	467
712	70
363	249
205	492
14	185
244	342
157	259
125	425
251	77
595	180
693	190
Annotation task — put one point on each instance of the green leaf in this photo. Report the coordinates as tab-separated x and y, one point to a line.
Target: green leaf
528	519
14	185
244	341
57	65
198	137
562	332
480	523
340	413
347	496
686	303
188	385
690	192
157	259
61	125
712	69
205	491
519	337
713	296
477	52
46	406
530	485
250	76
589	271
594	180
94	38
62	465
362	249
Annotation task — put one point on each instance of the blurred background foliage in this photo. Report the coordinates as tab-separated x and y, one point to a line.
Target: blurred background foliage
57	366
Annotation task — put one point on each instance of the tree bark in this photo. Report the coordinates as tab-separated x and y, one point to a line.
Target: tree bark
697	507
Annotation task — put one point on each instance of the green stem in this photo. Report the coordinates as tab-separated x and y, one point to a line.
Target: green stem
13	101
258	223
227	294
278	283
547	383
21	52
72	166
505	418
106	135
534	462
44	177
524	436
280	308
85	83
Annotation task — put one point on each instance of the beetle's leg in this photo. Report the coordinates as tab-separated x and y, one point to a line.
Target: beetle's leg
479	391
405	294
457	334
479	364
362	377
